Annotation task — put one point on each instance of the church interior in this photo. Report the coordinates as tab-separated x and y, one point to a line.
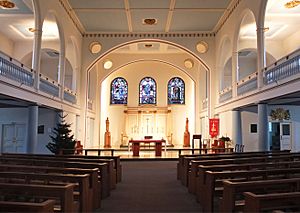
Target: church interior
159	81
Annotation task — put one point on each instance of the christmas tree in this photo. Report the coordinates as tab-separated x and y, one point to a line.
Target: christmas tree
62	140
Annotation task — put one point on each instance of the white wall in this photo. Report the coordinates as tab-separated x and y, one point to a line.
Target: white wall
250	140
133	73
6	45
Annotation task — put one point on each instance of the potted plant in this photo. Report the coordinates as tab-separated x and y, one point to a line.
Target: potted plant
224	140
62	140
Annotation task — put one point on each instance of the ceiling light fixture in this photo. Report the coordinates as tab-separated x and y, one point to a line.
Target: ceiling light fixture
188	63
7	4
149	21
148	45
292	4
95	47
107	64
202	47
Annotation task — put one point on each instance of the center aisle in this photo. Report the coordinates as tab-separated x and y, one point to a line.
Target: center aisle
150	186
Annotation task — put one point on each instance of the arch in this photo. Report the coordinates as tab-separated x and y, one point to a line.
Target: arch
118	91
225	74
176	91
147	90
149	40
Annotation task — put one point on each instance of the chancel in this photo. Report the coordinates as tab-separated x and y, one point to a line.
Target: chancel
93	91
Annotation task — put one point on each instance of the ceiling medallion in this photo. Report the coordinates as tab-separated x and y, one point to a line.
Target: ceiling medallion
189	63
202	47
7	4
149	21
95	47
292	4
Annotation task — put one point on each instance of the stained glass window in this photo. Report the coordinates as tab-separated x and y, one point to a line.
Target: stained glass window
147	91
176	91
119	91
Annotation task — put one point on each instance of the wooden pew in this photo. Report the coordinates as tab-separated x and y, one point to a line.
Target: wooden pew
272	201
110	169
103	168
94	183
63	193
181	164
46	206
117	162
214	179
195	171
85	194
187	160
233	189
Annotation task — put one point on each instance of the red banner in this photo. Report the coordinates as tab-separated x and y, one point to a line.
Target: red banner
214	127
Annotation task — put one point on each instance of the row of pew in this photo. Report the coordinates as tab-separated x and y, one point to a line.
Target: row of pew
243	182
56	183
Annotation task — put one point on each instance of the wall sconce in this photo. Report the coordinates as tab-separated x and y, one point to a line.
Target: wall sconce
95	47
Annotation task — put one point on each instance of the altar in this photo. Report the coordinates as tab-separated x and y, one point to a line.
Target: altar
147	120
136	144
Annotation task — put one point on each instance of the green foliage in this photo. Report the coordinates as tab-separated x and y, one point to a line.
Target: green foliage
62	140
225	139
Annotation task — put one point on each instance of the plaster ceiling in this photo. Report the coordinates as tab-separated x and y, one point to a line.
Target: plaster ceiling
126	16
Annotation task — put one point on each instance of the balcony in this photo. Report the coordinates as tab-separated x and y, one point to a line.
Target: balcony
282	71
16	72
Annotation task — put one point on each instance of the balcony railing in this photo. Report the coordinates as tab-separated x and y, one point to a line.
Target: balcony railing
16	71
70	96
225	94
247	84
283	68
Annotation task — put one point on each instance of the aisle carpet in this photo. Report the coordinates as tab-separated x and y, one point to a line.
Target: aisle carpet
150	186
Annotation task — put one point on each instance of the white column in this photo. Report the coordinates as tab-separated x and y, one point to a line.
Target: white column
237	127
33	112
262	127
36	56
61	73
235	68
261	56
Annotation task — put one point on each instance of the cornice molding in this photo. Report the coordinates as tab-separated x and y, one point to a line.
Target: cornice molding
65	4
148	35
226	16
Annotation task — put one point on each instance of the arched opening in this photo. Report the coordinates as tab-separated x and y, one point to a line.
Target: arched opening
247	46
282	30
225	64
133	62
50	48
71	65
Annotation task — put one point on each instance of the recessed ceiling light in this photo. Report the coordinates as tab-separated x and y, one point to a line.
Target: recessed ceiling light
95	47
31	29
148	45
7	4
149	21
107	64
202	47
188	63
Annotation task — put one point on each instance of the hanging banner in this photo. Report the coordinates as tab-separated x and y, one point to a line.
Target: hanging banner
214	127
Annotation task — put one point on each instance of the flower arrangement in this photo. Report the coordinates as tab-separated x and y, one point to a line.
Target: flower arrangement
280	114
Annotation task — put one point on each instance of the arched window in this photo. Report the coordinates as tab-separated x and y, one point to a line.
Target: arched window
176	91
147	91
118	91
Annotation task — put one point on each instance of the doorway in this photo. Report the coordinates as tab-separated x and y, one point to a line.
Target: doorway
280	136
13	138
